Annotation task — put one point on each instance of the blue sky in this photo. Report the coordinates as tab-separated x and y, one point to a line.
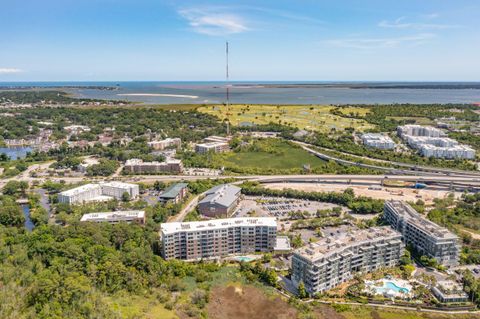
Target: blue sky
341	40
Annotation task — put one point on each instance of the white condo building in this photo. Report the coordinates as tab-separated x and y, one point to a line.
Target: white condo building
98	192
129	216
431	142
376	140
333	260
217	238
166	143
419	130
425	236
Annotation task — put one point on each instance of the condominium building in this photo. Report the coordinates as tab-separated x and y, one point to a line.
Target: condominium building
138	166
175	193
419	130
137	216
380	141
220	200
333	260
217	238
166	143
216	147
431	142
117	189
452	152
98	192
426	237
84	193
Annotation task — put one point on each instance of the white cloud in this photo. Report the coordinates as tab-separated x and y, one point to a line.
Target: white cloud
9	70
377	43
213	21
400	23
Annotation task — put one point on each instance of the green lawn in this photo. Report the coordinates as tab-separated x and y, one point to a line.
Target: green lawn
271	155
315	117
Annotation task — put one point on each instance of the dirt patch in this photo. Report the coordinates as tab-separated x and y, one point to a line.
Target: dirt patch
246	302
385	193
326	312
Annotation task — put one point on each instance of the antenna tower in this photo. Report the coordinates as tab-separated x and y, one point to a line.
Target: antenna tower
227	87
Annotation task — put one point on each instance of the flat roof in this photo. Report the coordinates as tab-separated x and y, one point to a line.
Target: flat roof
283	243
407	212
118	184
137	161
171	228
340	242
114	216
212	144
80	189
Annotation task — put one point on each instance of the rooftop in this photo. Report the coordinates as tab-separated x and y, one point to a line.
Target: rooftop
408	213
173	190
137	161
80	189
171	228
114	216
340	242
223	195
117	184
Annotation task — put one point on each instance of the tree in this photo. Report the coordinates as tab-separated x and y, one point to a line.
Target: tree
12	187
302	292
125	197
11	214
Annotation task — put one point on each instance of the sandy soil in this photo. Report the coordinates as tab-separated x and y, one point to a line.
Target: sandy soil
246	302
407	194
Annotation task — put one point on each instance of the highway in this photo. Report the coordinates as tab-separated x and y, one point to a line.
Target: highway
473	181
410	168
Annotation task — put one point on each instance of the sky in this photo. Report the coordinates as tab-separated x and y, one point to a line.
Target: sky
275	40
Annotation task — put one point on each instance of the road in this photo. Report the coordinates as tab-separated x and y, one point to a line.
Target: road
411	169
187	209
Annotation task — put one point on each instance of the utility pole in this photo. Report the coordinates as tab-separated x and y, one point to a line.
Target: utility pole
227	88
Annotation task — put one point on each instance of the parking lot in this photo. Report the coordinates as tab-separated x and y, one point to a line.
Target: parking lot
278	207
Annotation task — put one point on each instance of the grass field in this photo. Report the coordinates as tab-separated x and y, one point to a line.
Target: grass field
282	156
361	111
316	117
132	307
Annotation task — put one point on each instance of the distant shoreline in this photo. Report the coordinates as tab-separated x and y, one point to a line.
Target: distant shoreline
158	94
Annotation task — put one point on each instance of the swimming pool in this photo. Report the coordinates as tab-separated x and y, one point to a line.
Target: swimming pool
389	285
244	258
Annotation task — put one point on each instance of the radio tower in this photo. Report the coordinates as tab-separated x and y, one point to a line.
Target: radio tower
227	88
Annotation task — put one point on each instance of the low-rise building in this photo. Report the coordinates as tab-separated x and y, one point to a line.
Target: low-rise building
216	147
220	201
217	238
98	192
174	193
166	143
333	260
137	216
138	166
426	237
447	291
376	140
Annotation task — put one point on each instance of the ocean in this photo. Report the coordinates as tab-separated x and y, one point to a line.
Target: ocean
271	92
